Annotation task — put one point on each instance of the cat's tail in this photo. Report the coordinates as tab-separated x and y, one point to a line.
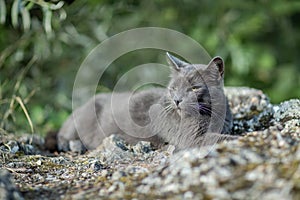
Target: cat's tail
51	143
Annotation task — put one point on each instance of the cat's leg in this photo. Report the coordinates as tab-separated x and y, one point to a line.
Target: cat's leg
82	131
68	139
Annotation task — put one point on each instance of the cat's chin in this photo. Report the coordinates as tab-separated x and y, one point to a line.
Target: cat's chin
178	111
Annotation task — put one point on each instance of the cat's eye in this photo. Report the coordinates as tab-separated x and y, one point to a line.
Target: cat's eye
172	88
196	88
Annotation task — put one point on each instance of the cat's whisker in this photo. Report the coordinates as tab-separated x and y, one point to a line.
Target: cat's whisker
216	115
195	110
169	111
216	112
204	108
166	110
207	108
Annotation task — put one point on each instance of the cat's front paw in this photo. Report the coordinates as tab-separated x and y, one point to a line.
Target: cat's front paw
71	145
77	146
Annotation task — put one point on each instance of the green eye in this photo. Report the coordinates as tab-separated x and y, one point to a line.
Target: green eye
195	88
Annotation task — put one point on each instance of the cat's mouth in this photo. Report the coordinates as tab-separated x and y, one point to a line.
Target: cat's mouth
178	110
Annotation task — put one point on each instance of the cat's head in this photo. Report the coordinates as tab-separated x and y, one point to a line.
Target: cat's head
190	85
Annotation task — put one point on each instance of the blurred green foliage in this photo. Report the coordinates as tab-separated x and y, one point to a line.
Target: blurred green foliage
43	43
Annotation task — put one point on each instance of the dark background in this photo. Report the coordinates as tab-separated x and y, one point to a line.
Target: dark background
43	44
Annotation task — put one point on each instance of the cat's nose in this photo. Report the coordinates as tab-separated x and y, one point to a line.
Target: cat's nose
177	101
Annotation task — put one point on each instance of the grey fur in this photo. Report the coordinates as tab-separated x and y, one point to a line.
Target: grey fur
192	111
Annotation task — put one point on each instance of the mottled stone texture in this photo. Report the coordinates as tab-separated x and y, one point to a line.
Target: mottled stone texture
8	190
262	164
251	109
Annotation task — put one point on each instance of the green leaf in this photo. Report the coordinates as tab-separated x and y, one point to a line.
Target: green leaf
2	12
26	18
47	21
57	6
14	13
29	5
266	60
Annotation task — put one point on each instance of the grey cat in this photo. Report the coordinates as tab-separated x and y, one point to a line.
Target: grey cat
192	111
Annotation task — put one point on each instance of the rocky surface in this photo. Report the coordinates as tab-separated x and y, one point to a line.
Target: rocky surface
263	164
7	188
251	109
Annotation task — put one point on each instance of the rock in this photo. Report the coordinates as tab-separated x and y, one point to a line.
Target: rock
114	149
12	146
241	168
136	170
287	110
251	109
33	139
263	164
96	165
287	117
8	190
236	169
142	147
26	144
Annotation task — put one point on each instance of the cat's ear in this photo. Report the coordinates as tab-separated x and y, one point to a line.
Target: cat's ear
176	63
217	63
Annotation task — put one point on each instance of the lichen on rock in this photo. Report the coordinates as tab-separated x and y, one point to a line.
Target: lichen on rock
8	189
251	109
263	164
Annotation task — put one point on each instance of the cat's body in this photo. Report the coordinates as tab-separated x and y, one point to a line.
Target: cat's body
192	109
93	130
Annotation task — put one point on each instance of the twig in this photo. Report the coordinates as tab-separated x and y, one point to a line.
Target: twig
19	100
